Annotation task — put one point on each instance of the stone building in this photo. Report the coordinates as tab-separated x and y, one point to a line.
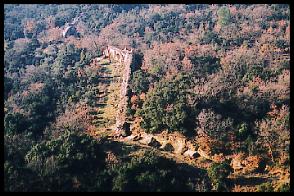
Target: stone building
117	54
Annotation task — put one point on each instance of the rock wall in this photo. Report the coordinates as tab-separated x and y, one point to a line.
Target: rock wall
124	57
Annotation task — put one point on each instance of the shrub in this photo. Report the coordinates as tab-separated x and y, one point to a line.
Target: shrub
139	82
152	173
69	156
285	187
218	172
214	125
224	16
265	187
165	106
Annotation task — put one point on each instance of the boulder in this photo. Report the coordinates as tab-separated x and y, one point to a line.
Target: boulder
191	153
146	139
254	164
247	164
133	138
150	141
137	138
130	138
204	154
180	147
154	143
167	147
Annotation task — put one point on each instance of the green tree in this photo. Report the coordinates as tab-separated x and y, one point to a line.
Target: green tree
218	172
15	123
152	173
70	156
139	82
224	16
165	106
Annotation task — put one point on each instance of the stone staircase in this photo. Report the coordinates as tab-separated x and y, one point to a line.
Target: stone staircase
107	95
112	99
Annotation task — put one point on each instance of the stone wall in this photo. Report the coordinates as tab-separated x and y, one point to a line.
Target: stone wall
116	54
124	57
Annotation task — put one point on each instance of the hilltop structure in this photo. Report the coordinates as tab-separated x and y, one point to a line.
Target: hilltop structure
122	56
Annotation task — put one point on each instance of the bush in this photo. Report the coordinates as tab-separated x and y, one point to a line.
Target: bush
60	160
218	172
224	16
152	173
139	82
15	123
284	187
265	187
165	106
214	125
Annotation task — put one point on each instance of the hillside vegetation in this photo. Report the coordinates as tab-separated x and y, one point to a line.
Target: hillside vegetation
214	76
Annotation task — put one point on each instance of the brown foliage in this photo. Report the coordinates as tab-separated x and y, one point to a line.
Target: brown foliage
167	56
52	34
274	132
75	118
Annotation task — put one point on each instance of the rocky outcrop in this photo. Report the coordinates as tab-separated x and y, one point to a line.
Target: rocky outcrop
150	141
154	143
204	154
167	147
191	153
133	138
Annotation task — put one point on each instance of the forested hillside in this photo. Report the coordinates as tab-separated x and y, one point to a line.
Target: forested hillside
216	77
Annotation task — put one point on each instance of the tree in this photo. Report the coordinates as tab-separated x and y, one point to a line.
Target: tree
8	85
214	125
140	82
165	106
274	133
218	172
15	123
70	156
224	16
156	174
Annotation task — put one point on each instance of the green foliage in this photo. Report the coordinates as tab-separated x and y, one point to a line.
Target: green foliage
285	187
224	16
68	156
214	125
15	123
243	130
68	55
210	37
40	106
165	106
218	172
265	187
169	33
203	65
258	71
139	82
151	173
19	179
8	85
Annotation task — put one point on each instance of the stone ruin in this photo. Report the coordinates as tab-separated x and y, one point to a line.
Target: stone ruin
124	57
